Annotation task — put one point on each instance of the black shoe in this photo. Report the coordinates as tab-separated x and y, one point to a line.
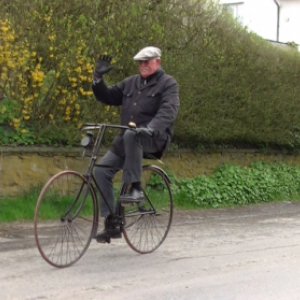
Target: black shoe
105	235
134	196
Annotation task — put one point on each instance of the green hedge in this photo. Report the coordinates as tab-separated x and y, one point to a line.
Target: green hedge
235	88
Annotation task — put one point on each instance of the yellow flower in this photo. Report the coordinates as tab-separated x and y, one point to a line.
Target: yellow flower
4	77
51	37
10	37
82	91
28	99
23	131
26	118
4	29
51	116
3	109
83	78
72	79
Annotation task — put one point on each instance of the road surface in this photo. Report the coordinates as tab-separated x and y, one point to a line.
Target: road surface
243	253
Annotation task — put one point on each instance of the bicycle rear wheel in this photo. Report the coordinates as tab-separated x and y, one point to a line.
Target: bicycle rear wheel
65	219
147	224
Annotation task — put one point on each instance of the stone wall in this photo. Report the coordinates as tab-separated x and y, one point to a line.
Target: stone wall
24	167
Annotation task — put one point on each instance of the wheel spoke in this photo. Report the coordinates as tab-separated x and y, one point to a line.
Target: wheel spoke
147	226
64	221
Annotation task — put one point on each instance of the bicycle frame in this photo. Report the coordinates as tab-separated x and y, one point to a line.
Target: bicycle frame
94	156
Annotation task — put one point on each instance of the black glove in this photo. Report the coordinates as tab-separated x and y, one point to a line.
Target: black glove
103	66
146	132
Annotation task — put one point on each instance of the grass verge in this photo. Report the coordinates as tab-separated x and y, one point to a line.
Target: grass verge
227	186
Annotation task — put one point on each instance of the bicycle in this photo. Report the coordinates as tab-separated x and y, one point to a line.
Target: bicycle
63	239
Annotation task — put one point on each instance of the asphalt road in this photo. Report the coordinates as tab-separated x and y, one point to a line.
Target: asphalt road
243	253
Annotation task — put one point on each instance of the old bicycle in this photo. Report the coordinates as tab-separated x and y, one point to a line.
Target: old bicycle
73	199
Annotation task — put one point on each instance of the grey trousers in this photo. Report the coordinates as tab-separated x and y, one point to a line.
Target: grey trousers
131	164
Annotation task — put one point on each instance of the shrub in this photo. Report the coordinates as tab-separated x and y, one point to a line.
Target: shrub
231	185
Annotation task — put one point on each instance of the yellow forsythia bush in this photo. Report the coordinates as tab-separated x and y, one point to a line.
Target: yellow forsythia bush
19	66
31	95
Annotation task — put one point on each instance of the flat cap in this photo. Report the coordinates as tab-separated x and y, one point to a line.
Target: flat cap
147	53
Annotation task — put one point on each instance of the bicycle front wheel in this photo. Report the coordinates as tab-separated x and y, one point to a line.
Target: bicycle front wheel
147	224
65	219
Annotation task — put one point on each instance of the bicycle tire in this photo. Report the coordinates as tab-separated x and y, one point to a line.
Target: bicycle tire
146	225
64	224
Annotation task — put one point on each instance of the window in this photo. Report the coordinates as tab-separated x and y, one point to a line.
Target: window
234	9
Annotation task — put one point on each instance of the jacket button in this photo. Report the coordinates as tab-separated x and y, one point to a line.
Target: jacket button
153	95
139	92
127	95
134	104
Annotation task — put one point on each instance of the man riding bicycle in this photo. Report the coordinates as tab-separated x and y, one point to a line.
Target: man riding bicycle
149	99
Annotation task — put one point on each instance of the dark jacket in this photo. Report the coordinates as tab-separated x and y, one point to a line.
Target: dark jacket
153	103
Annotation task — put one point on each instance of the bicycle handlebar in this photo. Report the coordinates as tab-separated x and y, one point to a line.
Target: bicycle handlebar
91	126
88	141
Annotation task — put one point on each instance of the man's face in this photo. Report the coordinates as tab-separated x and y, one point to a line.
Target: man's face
148	67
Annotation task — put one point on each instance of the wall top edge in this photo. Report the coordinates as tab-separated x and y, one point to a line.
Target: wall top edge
14	150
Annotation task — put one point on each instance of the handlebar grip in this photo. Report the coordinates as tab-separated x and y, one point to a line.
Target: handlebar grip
132	125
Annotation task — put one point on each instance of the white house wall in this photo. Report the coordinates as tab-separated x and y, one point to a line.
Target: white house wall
260	16
289	21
